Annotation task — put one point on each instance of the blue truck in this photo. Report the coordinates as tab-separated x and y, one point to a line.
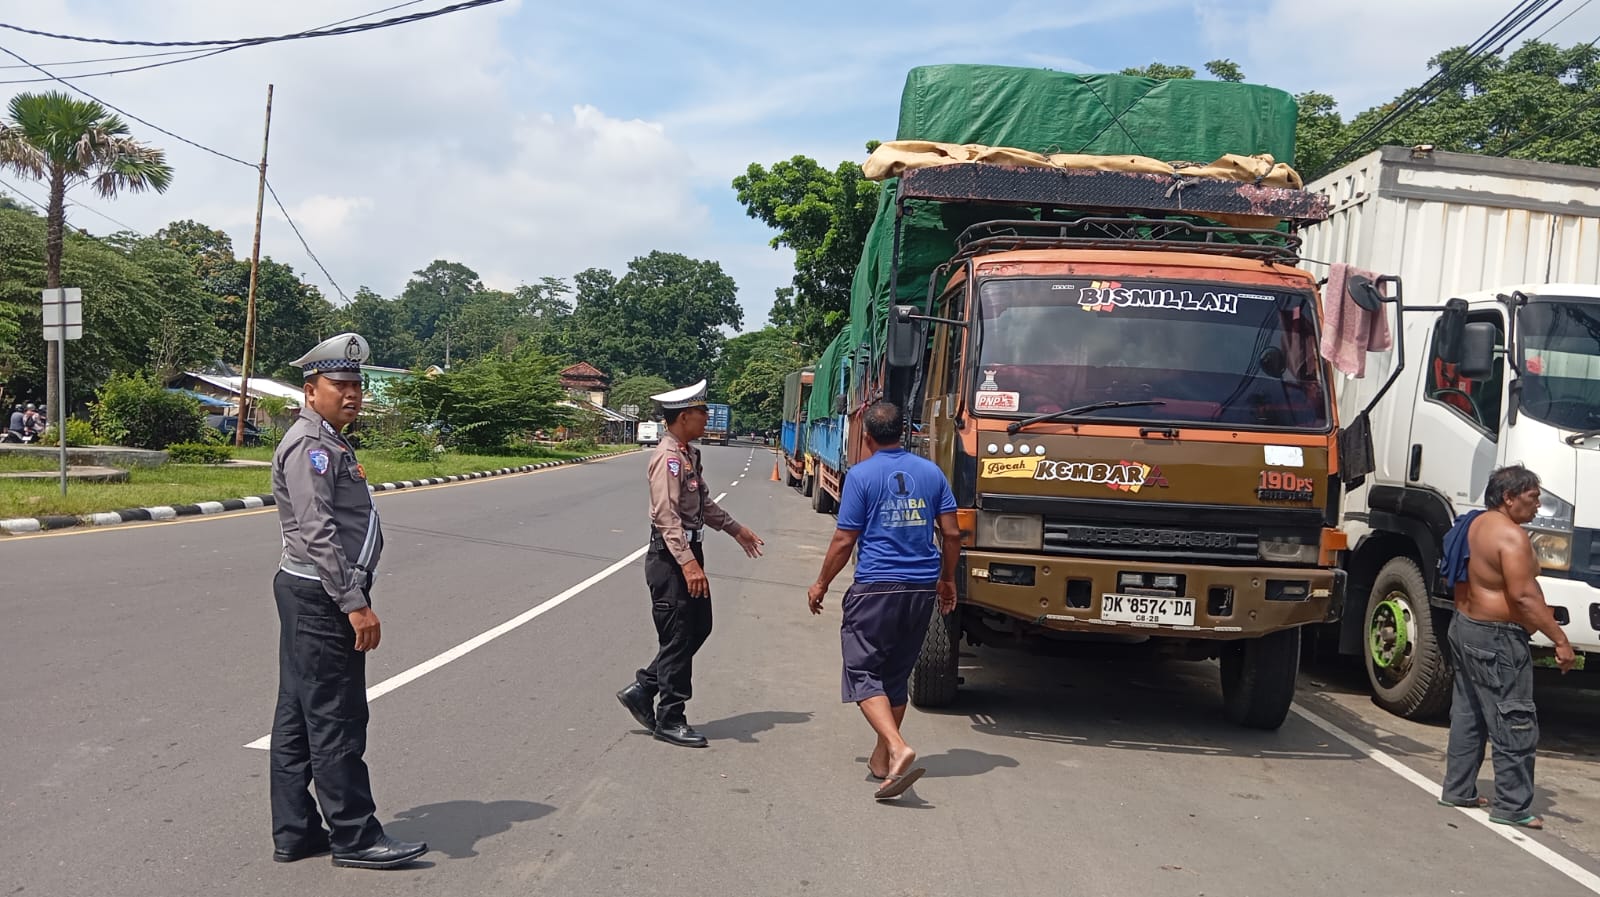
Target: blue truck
718	424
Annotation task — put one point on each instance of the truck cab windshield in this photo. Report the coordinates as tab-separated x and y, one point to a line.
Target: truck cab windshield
1561	363
1187	352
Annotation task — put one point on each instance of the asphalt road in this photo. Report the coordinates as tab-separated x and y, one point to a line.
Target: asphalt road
143	659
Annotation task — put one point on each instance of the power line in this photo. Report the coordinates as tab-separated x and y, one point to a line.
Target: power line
1510	26
298	35
13	189
365	15
1563	19
307	246
187	55
1563	118
71	86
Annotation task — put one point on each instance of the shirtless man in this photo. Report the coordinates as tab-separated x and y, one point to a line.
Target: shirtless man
1497	606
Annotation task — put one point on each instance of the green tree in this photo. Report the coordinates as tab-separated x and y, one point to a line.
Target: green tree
1541	102
63	141
379	321
291	315
210	250
143	308
488	402
1161	72
823	216
1317	132
432	303
662	317
750	377
1225	70
637	390
751	374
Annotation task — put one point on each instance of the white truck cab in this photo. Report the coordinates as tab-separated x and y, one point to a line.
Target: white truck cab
649	432
1479	375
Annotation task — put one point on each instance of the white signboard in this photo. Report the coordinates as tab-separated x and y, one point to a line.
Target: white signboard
63	314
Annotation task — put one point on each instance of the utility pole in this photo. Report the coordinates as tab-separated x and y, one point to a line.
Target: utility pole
255	269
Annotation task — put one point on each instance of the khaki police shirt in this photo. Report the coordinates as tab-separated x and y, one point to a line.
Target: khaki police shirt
330	525
679	499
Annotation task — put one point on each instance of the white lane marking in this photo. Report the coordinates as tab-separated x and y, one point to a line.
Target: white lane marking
720	497
733	484
478	641
1538	851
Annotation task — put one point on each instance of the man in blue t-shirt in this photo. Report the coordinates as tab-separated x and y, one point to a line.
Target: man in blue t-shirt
898	509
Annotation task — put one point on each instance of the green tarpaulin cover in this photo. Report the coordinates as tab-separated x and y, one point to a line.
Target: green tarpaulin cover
1041	111
1044	111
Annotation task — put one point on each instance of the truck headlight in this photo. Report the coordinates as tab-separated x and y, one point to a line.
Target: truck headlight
1288	548
1550	531
1023	532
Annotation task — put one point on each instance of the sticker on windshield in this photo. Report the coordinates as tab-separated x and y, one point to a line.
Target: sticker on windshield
995	400
988	380
1110	295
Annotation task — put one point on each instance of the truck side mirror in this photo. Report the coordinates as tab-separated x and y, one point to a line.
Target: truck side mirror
1364	292
907	338
1477	350
1452	323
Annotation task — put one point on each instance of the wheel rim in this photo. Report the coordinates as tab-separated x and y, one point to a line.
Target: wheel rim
1394	634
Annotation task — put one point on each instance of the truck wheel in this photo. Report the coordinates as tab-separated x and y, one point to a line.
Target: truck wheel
1258	678
933	678
1403	640
789	479
808	485
821	501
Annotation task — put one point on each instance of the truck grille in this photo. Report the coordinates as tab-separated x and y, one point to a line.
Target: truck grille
1121	540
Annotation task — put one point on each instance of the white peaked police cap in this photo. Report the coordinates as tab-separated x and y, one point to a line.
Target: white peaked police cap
337	357
687	397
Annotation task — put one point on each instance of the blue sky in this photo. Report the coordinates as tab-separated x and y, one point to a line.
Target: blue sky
528	139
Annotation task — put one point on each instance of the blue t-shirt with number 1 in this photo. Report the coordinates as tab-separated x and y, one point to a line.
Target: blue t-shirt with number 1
894	499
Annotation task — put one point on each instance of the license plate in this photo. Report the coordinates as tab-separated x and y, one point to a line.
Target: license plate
1146	609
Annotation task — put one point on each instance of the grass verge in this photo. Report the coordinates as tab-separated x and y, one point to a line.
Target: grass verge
181	484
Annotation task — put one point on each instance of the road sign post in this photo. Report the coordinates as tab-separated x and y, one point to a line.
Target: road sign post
63	320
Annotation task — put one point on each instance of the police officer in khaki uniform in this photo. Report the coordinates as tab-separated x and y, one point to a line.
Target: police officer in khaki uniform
680	596
331	544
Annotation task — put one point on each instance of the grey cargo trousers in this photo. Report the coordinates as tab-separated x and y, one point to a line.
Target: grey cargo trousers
1493	701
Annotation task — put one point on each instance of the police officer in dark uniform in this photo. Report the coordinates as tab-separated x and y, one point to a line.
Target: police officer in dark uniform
680	596
331	545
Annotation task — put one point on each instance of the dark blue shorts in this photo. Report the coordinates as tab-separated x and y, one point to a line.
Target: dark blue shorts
884	624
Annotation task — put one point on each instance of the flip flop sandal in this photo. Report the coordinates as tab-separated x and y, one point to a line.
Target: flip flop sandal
1532	822
1478	802
894	786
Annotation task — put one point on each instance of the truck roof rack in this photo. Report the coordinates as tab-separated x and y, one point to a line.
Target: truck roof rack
1156	234
1108	191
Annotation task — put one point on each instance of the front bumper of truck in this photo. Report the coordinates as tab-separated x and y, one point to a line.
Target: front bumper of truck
1068	594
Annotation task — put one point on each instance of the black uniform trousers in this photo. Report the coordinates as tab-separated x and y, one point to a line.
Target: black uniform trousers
683	622
319	732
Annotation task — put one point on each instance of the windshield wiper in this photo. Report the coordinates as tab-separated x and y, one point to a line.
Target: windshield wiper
1014	426
1576	438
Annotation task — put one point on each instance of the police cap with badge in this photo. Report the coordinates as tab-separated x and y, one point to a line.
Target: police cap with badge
337	358
679	399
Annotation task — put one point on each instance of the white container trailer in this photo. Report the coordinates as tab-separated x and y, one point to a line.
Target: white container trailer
1496	361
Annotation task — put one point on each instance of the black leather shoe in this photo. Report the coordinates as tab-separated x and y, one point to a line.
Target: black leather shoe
385	853
313	848
639	704
681	735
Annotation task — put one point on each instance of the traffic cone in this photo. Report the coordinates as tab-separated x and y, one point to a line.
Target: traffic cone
775	477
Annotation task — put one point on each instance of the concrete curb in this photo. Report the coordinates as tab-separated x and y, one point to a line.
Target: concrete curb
21	525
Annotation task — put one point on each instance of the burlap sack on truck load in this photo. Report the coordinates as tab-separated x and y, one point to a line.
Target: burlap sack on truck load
892	159
1106	115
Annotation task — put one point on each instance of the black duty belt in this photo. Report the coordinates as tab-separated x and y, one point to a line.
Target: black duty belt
689	535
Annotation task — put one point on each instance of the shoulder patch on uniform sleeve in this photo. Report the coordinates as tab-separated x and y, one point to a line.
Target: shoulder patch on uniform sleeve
319	460
673	467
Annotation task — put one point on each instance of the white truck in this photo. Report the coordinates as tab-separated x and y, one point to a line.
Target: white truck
648	432
1495	360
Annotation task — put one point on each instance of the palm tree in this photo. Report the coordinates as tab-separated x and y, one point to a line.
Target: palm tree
64	141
